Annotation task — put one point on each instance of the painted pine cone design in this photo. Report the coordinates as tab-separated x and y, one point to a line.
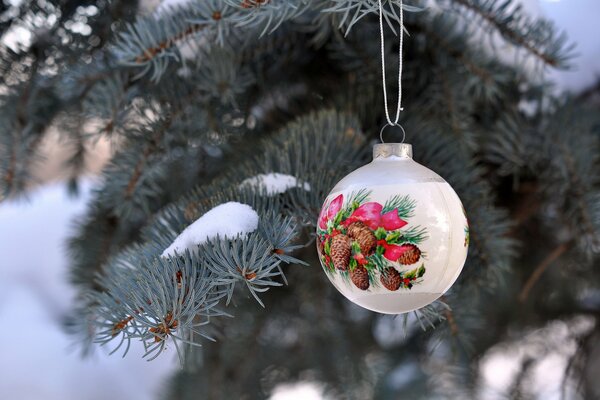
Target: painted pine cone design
391	279
340	251
360	277
410	256
364	240
364	236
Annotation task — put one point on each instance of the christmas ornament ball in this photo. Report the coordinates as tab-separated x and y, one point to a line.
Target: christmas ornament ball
392	236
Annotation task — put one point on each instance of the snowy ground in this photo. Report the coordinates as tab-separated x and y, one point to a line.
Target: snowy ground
39	361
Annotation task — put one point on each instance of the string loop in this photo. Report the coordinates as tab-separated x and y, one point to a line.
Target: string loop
385	99
385	126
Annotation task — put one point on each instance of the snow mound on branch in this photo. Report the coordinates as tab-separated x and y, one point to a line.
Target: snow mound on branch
275	183
226	220
166	6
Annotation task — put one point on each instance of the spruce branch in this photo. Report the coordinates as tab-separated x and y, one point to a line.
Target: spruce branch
21	131
537	37
266	16
541	268
108	95
151	42
130	180
352	11
484	78
125	308
571	148
456	124
89	249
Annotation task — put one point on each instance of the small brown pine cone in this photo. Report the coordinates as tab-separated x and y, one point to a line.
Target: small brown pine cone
364	236
411	255
340	251
391	279
360	277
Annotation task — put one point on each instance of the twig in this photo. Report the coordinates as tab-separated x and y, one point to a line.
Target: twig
454	124
539	270
510	34
458	55
528	206
149	53
450	318
451	322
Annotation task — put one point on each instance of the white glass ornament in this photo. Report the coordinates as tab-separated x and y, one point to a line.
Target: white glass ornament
392	236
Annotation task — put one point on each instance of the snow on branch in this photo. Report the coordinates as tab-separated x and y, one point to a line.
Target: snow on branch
275	183
228	220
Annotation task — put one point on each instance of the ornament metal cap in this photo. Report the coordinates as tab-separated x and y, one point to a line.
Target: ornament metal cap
385	150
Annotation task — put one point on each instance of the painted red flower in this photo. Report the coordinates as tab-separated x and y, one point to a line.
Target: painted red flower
390	221
322	218
360	259
329	212
369	214
393	251
335	206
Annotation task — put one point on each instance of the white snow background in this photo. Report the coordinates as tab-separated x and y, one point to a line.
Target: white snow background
40	361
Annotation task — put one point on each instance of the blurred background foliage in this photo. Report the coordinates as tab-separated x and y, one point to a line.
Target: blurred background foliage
195	97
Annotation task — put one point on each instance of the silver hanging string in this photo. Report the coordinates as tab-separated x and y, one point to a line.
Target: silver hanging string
385	99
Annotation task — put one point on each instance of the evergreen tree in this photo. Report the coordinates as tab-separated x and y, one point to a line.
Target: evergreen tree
209	101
